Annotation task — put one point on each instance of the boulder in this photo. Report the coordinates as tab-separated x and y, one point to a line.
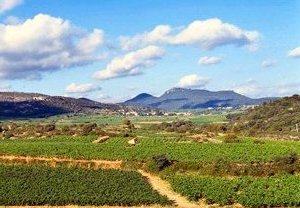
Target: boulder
101	139
133	141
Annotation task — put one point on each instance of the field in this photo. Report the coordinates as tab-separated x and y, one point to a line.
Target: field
201	166
36	185
181	149
250	191
116	120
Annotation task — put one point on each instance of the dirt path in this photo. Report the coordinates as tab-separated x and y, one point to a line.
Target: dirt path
157	183
53	162
76	206
164	188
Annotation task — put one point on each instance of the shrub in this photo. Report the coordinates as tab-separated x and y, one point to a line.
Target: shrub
87	129
8	135
126	121
49	127
158	163
291	158
231	138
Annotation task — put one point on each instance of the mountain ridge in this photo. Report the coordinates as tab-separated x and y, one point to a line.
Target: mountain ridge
36	105
185	99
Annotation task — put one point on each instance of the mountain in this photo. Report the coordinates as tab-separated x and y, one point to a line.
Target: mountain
141	99
186	99
33	105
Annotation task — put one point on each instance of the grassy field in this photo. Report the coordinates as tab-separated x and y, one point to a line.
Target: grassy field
249	191
150	144
34	185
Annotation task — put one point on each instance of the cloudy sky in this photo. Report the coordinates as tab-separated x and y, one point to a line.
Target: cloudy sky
112	50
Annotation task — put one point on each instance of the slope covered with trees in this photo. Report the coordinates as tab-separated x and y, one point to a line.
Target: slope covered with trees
280	116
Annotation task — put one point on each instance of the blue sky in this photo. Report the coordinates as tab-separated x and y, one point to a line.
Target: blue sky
253	47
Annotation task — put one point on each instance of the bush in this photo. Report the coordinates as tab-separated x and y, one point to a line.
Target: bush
291	158
87	129
8	135
126	122
158	163
231	138
49	127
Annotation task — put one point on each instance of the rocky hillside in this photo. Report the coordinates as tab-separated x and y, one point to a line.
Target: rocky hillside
282	115
185	99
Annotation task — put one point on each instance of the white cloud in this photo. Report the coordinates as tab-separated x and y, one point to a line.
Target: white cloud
45	44
82	88
158	35
249	88
193	80
252	88
206	34
131	64
268	63
6	5
294	53
5	87
209	60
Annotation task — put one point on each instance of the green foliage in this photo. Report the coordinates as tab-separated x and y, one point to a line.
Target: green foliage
277	117
20	185
149	144
214	190
249	191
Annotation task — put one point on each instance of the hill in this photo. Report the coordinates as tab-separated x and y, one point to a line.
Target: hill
186	99
33	105
282	115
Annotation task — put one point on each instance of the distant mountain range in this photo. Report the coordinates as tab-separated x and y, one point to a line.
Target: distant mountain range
33	105
187	99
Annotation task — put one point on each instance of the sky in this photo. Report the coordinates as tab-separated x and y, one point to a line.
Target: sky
112	50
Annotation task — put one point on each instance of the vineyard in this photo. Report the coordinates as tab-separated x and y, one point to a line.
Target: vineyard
63	167
116	120
249	191
36	185
177	148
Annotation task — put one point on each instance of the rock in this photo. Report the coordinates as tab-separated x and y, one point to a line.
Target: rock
101	139
133	142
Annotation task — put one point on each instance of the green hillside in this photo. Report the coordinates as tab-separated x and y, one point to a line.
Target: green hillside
280	116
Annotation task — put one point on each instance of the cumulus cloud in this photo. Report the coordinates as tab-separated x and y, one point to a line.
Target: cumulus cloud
268	63
209	60
45	44
6	5
294	53
82	88
131	64
205	34
193	80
